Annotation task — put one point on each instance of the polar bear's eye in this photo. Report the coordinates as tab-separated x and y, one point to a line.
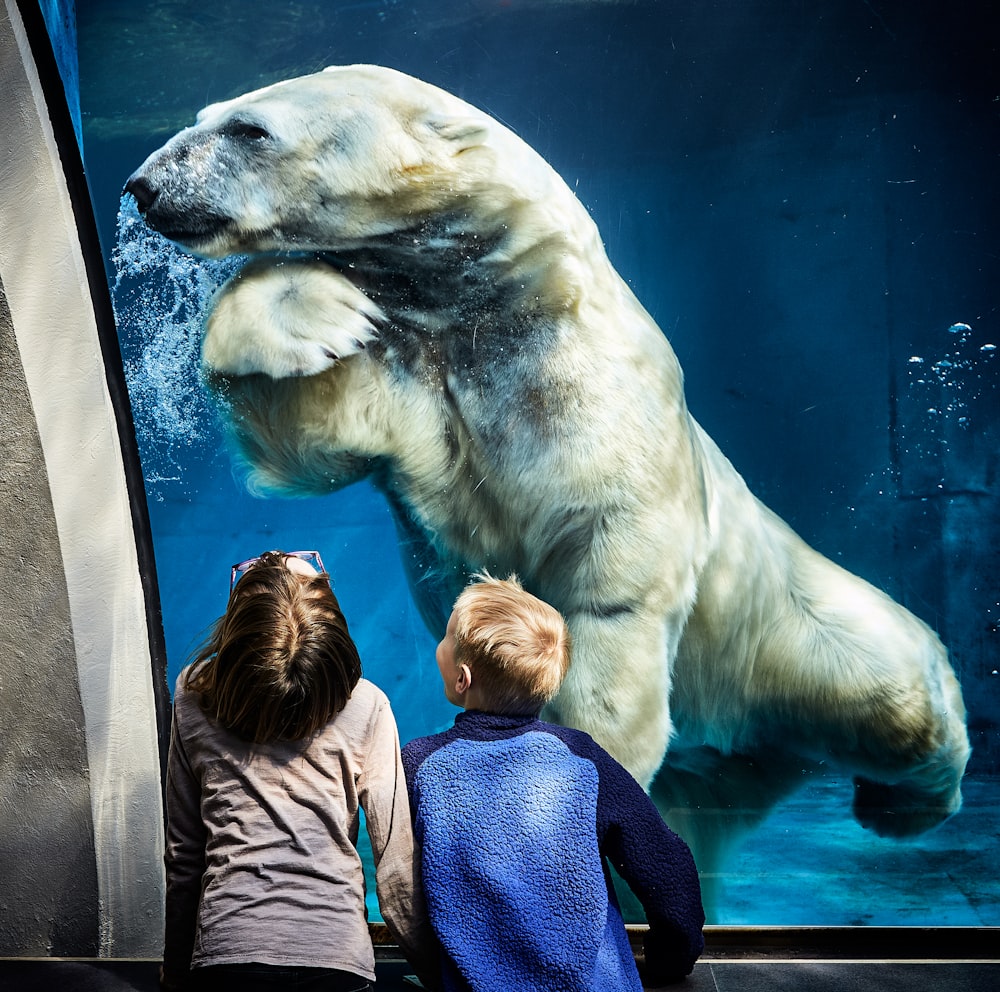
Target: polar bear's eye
245	129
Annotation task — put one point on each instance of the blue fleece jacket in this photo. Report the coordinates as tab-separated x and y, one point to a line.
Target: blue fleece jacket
514	819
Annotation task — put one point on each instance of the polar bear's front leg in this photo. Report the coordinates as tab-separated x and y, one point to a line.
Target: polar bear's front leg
618	686
287	317
309	405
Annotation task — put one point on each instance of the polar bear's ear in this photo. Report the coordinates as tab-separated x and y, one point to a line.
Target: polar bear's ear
464	132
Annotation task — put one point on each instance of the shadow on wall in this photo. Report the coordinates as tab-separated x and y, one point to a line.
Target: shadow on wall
46	836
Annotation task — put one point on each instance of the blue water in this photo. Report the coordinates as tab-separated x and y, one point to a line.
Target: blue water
803	198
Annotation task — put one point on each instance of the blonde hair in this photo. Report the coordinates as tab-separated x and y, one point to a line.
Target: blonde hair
517	646
280	663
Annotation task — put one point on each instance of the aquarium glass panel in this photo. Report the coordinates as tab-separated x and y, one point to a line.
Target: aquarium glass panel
800	199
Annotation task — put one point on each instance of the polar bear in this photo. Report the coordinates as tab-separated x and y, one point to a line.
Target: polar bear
428	305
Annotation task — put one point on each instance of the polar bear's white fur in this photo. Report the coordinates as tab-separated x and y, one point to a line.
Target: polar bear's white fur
429	305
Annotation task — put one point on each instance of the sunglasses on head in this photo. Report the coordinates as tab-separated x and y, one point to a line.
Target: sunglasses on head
239	570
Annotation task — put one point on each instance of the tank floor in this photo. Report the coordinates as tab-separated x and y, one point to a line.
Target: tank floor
811	864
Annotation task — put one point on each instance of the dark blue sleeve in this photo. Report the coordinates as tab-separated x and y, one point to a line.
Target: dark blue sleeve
411	762
413	755
653	860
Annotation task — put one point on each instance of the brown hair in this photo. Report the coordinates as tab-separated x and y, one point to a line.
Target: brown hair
280	662
517	646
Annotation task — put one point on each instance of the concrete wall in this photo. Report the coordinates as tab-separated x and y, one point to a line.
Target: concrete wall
81	824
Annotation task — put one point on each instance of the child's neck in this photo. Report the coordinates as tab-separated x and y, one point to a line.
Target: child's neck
483	707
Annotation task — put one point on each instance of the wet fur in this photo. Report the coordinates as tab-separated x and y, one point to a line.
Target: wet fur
431	307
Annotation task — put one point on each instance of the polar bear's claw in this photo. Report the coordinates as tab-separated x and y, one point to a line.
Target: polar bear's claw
287	318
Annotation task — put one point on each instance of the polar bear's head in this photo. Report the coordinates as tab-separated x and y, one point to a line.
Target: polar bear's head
330	160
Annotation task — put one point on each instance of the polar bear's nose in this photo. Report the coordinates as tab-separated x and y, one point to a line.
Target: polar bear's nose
144	194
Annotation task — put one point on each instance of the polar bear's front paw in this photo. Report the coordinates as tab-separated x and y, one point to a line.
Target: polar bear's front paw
287	317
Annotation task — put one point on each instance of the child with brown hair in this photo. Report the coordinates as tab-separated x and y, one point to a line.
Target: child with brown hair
516	820
277	742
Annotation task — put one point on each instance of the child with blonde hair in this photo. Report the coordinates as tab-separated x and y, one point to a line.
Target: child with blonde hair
517	819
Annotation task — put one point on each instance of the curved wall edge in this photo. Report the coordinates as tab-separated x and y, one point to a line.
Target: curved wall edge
54	286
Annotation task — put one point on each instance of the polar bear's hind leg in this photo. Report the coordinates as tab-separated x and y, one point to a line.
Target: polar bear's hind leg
930	791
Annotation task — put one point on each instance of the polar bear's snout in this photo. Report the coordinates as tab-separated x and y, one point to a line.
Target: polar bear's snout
177	213
143	192
177	190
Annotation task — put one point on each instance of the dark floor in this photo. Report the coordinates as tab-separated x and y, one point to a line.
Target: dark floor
708	976
735	959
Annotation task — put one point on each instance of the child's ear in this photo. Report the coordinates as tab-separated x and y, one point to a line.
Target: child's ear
464	681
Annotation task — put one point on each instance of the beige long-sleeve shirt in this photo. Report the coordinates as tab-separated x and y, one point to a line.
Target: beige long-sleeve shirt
260	853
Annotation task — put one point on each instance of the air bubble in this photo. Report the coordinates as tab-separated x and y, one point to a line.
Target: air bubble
160	296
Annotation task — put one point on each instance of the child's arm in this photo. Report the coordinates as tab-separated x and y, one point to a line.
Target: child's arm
185	862
382	791
658	867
